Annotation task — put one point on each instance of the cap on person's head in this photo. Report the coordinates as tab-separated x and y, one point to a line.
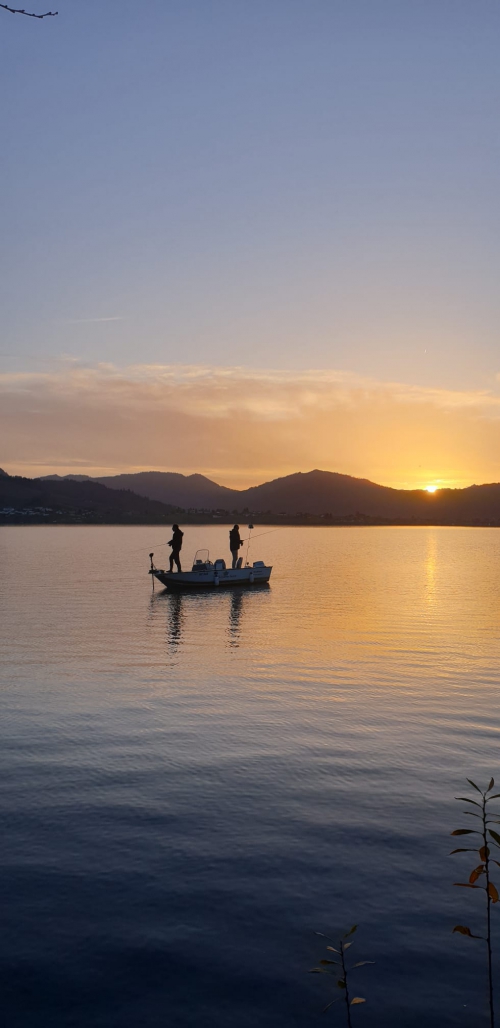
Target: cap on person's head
175	526
236	526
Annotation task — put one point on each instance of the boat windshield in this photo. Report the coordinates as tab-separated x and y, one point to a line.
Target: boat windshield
201	560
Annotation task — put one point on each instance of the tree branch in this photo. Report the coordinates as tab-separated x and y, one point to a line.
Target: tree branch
14	10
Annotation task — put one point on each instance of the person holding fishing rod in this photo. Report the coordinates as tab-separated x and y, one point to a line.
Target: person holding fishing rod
234	543
176	544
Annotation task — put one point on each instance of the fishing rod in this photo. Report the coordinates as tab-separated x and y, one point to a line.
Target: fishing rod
259	536
140	549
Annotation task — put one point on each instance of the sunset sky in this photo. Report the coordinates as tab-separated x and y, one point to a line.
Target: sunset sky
252	237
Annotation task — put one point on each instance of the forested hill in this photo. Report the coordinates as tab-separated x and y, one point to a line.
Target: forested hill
63	500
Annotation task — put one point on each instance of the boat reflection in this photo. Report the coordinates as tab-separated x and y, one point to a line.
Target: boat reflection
186	614
176	617
235	612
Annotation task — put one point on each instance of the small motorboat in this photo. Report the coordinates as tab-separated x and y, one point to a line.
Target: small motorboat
205	574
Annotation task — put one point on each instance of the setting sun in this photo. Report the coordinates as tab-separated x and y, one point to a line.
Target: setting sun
431	488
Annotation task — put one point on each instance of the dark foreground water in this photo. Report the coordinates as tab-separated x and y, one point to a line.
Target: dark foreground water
192	784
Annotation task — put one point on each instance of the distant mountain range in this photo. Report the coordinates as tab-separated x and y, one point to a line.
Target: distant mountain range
314	493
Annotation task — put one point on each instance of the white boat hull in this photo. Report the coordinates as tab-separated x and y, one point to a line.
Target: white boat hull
213	578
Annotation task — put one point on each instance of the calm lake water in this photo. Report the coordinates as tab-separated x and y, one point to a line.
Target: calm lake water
193	784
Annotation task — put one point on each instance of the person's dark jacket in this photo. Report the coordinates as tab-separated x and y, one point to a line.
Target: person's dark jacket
176	540
234	539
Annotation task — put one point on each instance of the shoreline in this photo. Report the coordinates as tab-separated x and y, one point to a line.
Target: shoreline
275	522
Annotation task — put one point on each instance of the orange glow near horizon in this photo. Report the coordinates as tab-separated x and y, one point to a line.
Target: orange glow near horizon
242	426
229	478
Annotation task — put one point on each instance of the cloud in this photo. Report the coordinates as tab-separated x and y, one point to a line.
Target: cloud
89	321
243	425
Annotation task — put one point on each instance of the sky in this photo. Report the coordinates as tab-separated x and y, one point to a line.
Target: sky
251	237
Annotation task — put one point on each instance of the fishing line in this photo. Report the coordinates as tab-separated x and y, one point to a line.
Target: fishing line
140	549
259	536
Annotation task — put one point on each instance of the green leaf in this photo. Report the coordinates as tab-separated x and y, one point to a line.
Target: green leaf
470	813
361	963
357	999
474	785
492	782
332	949
351	931
462	850
495	797
346	945
494	835
465	831
465	799
328	961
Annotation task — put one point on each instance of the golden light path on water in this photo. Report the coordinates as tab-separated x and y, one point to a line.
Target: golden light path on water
227	772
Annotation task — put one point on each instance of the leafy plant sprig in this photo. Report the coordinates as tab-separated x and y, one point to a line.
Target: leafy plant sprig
481	872
339	970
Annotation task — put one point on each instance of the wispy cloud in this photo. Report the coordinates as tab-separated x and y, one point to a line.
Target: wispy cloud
89	321
241	425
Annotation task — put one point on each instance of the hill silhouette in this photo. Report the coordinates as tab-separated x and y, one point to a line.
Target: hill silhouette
315	493
190	491
65	499
318	493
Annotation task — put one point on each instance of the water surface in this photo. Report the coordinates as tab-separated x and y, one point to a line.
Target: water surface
192	784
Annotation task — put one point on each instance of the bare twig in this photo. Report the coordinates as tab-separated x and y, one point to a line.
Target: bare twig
28	14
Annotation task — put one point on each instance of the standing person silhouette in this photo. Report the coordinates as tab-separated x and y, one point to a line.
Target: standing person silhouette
234	543
176	543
